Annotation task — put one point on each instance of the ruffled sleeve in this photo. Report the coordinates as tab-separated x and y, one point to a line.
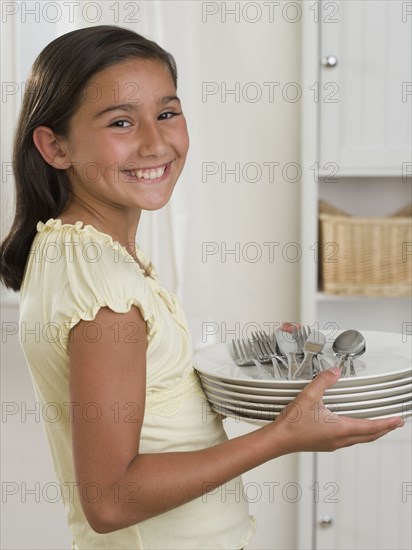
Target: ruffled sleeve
81	270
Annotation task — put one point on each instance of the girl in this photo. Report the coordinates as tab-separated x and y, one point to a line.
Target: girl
138	453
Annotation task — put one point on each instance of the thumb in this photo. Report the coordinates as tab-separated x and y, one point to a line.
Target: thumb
325	380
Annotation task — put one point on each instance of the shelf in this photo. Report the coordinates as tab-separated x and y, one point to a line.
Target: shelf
322	297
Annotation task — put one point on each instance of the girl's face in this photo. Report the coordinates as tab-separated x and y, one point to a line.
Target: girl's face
128	140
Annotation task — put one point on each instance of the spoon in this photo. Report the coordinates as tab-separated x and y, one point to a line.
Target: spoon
350	343
288	345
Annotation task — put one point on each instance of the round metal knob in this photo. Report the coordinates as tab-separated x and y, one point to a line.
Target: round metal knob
325	521
329	61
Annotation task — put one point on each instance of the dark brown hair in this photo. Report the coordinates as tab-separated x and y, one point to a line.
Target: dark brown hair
53	92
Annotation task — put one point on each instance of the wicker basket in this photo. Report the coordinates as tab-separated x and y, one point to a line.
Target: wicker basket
365	256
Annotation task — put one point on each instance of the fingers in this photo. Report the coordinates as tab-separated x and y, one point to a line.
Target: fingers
365	428
356	439
354	431
289	327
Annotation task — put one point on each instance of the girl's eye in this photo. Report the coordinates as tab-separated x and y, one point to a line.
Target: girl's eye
168	114
120	124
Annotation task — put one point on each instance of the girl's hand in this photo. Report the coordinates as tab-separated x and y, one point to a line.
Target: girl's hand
307	425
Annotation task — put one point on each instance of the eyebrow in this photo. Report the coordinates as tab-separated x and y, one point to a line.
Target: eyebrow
133	106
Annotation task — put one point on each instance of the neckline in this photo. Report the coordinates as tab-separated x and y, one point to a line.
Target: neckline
143	262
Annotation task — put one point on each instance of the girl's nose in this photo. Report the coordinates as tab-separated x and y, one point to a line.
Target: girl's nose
150	140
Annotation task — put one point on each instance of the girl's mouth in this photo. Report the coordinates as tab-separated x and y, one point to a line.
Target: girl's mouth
148	174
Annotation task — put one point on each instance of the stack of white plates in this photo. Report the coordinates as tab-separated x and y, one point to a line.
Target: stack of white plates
382	385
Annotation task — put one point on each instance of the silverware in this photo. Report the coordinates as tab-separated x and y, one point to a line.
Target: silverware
288	345
350	343
301	337
313	345
322	364
245	356
267	351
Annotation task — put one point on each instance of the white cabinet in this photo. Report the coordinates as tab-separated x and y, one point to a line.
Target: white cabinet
360	497
357	131
364	496
356	138
365	78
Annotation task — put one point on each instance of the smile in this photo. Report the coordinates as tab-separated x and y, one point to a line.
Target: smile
148	173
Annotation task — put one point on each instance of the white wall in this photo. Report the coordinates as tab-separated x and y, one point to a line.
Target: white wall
220	291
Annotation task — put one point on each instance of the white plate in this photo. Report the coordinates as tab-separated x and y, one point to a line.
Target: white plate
226	392
279	403
398	409
256	422
270	392
387	357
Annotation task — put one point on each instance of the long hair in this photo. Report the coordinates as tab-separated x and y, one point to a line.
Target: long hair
53	92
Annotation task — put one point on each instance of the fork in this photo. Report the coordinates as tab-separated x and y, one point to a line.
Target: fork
301	337
268	352
270	344
245	356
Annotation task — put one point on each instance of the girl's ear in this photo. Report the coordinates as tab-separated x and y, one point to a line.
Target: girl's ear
51	148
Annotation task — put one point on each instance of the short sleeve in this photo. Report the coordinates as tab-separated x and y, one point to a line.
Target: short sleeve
79	270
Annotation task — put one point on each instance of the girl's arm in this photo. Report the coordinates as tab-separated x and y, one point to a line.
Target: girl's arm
108	376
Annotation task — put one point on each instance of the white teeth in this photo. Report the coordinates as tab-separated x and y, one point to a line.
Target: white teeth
151	174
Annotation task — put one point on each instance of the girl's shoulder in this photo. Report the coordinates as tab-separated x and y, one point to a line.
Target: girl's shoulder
79	243
74	269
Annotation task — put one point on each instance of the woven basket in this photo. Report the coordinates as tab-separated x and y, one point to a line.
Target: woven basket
365	256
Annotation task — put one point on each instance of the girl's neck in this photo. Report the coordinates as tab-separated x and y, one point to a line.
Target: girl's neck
118	224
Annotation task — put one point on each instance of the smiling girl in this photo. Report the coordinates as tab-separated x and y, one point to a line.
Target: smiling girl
141	459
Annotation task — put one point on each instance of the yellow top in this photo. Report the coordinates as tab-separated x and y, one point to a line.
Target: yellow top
72	271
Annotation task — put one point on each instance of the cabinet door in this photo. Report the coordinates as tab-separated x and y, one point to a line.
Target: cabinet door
366	97
364	495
